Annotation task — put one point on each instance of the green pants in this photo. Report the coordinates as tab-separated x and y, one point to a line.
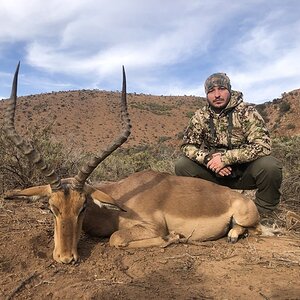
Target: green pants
263	174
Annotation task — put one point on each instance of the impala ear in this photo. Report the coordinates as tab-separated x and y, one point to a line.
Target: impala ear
103	200
33	193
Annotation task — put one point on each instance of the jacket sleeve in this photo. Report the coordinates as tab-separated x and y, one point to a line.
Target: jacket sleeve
193	139
258	142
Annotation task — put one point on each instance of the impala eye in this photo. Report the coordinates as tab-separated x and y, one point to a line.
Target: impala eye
83	208
54	210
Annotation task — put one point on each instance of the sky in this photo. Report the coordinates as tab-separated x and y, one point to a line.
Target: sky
168	47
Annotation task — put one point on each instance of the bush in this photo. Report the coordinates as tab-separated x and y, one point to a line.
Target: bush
163	139
287	150
124	162
179	135
155	108
284	107
17	172
290	126
261	108
189	114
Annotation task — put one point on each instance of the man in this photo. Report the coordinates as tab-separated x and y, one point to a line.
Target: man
227	142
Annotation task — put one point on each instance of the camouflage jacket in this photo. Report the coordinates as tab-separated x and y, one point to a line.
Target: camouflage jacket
249	138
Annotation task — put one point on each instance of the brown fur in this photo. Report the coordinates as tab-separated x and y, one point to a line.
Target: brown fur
146	209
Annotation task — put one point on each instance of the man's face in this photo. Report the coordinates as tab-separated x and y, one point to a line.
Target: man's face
218	97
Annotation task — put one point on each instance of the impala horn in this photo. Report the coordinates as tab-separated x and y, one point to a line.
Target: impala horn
88	168
29	151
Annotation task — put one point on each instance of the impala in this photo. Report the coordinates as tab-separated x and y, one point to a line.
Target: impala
143	210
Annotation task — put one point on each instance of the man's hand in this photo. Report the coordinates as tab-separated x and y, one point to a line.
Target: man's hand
216	165
226	171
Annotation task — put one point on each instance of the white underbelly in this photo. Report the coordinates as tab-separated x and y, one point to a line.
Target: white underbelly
200	229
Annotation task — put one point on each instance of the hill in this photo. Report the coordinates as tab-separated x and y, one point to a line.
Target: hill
283	114
257	267
90	119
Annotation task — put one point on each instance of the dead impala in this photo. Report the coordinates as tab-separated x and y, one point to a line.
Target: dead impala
146	209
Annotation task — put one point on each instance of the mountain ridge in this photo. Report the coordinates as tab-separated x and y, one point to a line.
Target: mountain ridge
89	120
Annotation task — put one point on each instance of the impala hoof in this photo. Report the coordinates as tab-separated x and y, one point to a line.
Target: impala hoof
232	236
232	240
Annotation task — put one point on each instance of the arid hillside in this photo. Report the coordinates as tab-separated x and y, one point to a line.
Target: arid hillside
283	114
90	119
257	267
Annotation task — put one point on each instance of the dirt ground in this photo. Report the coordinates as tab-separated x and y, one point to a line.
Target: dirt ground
254	268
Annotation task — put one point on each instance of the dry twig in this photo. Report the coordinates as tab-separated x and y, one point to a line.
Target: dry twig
20	286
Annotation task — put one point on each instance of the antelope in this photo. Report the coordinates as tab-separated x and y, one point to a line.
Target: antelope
146	209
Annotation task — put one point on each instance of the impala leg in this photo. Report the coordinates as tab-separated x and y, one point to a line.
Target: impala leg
136	237
245	216
235	232
151	242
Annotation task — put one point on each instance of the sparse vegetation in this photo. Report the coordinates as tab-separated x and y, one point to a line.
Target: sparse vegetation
284	107
163	139
16	172
155	108
287	150
179	135
261	108
124	162
189	114
290	126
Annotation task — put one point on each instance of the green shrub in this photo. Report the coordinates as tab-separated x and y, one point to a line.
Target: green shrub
17	172
290	126
284	107
287	150
163	139
179	135
261	108
124	162
189	114
155	108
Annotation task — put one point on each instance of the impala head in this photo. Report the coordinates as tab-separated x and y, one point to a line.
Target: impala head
67	197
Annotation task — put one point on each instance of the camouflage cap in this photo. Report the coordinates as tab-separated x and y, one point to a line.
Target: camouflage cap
217	79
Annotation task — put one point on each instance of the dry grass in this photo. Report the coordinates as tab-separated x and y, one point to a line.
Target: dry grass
16	172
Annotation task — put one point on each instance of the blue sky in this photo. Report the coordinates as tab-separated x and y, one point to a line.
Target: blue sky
168	47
